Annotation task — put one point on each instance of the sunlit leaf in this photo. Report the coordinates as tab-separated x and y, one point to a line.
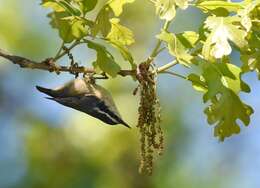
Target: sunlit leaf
221	83
225	111
245	14
102	23
86	5
78	29
183	4
117	5
120	34
124	52
211	5
198	82
188	38
105	61
166	9
63	26
175	47
69	27
53	5
69	8
222	30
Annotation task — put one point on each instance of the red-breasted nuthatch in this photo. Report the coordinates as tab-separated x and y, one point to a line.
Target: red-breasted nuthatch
86	96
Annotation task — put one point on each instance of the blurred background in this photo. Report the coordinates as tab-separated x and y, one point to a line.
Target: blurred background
45	145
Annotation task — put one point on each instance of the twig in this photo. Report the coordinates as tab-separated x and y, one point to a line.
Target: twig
58	56
166	67
175	74
59	51
48	65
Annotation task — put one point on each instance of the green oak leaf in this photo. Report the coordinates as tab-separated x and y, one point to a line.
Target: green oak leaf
102	23
120	34
207	6
69	27
251	57
225	111
105	61
63	26
221	83
227	76
251	62
117	5
245	14
86	5
198	82
78	29
183	4
53	5
188	38
176	48
69	7
222	30
124	52
166	9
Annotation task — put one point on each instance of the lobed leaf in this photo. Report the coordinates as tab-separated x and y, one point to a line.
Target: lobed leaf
120	34
221	83
212	5
222	30
166	9
176	48
105	61
124	52
86	5
102	23
70	28
117	5
53	5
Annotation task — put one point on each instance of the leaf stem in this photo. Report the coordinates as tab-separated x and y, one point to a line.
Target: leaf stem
157	49
69	48
174	74
59	51
166	67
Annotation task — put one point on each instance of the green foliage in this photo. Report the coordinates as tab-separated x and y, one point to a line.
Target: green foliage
120	34
221	83
117	5
223	86
212	6
222	29
105	61
228	26
177	47
71	20
166	9
102	23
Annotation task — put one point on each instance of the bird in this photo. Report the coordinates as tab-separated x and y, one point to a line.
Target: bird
84	95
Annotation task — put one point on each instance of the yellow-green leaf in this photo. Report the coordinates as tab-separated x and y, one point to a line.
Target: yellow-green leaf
105	61
120	34
176	48
117	5
211	5
102	23
222	30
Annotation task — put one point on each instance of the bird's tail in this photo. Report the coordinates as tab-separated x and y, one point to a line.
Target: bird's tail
49	92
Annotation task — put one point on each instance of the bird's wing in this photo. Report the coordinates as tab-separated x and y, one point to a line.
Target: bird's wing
93	106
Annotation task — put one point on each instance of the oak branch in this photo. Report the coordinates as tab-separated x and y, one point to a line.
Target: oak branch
49	65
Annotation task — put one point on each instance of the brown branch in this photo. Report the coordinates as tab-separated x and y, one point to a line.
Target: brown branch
49	65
